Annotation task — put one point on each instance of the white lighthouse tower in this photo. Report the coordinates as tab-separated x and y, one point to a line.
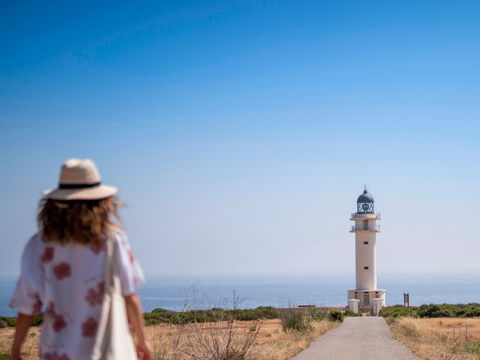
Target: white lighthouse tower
366	295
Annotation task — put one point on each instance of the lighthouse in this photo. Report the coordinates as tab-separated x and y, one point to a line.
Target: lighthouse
366	294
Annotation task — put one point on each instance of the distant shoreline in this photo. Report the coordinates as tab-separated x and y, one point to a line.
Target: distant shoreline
173	292
160	315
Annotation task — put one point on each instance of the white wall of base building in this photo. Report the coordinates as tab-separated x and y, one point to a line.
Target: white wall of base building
366	297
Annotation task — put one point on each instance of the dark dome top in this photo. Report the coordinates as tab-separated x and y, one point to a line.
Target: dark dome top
366	197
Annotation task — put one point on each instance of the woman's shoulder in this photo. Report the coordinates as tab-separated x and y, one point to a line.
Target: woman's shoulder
119	235
33	247
35	241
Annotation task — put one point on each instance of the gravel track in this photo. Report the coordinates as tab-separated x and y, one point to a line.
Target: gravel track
366	338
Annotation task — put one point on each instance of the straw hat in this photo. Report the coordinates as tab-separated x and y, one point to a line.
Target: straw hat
80	180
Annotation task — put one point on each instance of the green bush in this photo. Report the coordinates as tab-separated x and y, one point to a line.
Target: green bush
348	313
336	315
157	316
433	311
398	311
8	321
296	320
37	320
317	314
267	312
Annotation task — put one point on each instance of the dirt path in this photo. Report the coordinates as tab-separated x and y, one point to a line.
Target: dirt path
366	338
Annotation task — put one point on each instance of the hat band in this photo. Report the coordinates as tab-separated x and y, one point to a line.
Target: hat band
78	186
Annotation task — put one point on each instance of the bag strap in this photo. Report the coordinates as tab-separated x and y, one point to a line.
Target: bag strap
101	338
109	262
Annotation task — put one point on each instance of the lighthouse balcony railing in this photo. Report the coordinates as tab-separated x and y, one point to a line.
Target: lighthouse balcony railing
378	216
361	228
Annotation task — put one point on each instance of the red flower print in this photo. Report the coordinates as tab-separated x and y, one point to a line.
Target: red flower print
47	255
58	323
62	271
130	256
95	297
89	327
91	297
97	246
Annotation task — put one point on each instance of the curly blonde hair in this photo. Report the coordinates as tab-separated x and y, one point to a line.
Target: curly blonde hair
78	221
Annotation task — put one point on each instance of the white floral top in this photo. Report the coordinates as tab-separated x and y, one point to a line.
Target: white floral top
67	280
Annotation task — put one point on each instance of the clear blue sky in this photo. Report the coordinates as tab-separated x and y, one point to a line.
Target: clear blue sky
241	132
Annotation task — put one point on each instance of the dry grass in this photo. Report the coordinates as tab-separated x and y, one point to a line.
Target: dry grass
441	338
30	348
180	342
175	342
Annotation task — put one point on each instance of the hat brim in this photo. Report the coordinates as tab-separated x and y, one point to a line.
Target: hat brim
93	193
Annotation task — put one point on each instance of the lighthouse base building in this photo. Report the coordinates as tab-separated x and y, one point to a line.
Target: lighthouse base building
367	298
366	295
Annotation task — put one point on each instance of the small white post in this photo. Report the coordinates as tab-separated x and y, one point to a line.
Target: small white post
377	306
353	305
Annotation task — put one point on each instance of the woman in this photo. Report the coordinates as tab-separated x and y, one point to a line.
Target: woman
63	268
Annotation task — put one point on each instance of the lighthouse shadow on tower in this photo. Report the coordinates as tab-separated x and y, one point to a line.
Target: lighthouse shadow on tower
366	296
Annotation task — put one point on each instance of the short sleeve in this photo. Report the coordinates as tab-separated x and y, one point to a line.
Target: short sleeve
26	298
129	270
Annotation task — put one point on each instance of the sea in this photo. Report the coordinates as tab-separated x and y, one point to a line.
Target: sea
199	292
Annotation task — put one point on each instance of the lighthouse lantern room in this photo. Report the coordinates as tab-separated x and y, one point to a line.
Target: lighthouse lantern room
366	296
